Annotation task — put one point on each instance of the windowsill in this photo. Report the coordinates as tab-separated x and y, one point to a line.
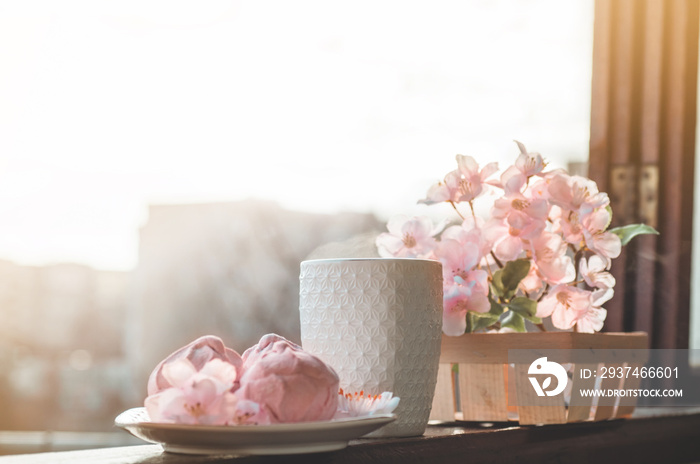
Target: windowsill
651	435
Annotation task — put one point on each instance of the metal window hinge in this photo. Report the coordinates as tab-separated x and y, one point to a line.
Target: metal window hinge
649	195
635	197
623	195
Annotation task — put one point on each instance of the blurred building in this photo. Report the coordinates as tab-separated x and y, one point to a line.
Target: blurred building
227	269
77	344
62	325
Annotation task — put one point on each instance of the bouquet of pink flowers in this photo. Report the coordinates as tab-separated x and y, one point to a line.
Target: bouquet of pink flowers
544	251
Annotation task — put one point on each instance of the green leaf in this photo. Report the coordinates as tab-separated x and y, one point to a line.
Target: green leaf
497	283
513	273
480	321
496	308
628	232
526	308
514	321
523	306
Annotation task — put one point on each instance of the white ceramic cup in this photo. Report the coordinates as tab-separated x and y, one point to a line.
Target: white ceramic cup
378	323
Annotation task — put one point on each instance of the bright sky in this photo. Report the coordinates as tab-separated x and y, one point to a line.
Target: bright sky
323	106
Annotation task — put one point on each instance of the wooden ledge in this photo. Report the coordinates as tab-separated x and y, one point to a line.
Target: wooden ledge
652	436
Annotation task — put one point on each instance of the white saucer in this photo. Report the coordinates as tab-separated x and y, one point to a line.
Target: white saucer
297	438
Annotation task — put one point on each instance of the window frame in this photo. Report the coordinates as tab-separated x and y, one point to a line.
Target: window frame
642	151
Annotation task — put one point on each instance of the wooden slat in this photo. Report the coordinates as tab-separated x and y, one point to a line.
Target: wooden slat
511	392
482	389
443	401
627	407
606	404
580	406
552	409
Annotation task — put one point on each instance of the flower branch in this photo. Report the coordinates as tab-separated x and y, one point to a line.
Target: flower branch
544	250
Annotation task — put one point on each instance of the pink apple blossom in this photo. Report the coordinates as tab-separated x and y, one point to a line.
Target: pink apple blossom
463	184
576	193
408	237
507	244
473	178
600	296
465	289
549	253
539	188
516	203
565	304
592	321
524	218
457	259
532	282
594	272
512	180
471	231
510	233
463	295
448	190
529	163
605	244
580	207
515	177
568	224
201	397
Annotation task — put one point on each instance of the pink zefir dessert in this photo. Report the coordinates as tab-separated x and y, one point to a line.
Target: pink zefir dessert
275	381
199	353
290	384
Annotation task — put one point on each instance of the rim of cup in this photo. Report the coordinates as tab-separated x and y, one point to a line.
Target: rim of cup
377	259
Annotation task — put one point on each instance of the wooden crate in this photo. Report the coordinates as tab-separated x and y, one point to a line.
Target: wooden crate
479	388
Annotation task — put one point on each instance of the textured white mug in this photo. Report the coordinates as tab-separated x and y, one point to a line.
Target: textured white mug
378	323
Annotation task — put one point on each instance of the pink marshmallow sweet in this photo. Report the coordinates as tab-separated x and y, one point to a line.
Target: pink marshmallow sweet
290	384
199	353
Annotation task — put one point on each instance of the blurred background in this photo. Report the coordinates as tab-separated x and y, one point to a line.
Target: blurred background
165	166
